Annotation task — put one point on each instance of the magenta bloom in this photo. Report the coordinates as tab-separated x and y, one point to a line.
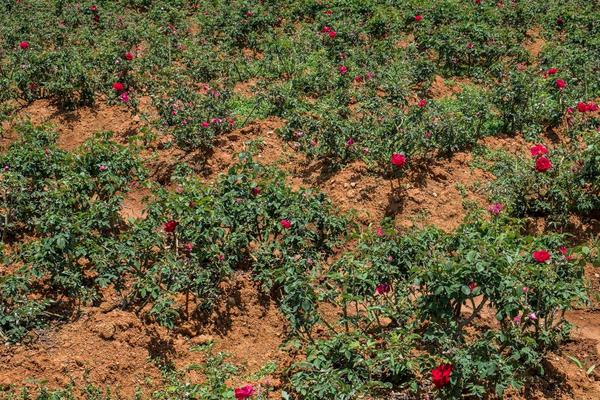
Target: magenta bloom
286	223
440	376
538	150
398	160
342	69
541	256
244	392
495	208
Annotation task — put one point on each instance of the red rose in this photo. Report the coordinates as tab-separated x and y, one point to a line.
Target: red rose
255	191
118	86
586	107
440	376
565	252
543	164
560	21
418	17
551	71
382	288
285	223
332	34
128	56
24	45
326	29
472	286
170	226
560	84
342	69
538	150
398	160
244	392
541	256
422	103
93	8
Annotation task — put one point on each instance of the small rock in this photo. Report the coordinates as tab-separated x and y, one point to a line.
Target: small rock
106	330
202	340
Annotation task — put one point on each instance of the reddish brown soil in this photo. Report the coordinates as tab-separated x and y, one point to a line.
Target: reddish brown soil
111	347
108	346
534	42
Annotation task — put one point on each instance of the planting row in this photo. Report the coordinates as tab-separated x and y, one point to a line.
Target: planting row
420	311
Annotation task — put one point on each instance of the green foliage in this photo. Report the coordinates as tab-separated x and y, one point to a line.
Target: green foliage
475	299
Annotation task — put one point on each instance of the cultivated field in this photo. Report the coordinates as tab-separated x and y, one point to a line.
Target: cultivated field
301	199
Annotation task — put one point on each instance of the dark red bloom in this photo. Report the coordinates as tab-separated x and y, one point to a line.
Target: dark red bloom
560	21
560	84
118	86
398	160
551	71
472	286
286	223
422	103
93	8
244	392
382	288
543	164
128	56
332	34
565	252
440	375
170	226
24	45
538	150
418	17
495	208
255	191
541	256
342	69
